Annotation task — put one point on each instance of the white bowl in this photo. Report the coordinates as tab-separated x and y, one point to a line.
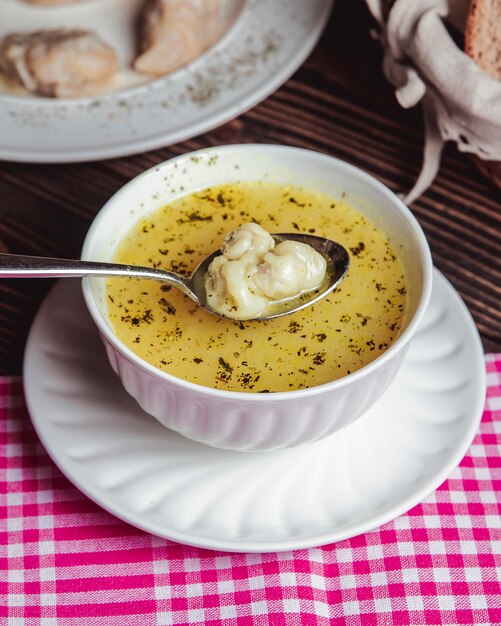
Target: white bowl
253	421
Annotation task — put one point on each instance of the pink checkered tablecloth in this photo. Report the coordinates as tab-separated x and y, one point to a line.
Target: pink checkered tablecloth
65	561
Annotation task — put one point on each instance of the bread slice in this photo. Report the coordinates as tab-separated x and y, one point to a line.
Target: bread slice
482	42
483	35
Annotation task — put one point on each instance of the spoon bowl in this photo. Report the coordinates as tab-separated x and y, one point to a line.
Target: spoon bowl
336	256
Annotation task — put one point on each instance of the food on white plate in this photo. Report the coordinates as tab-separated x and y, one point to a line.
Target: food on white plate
174	32
253	273
336	336
58	63
70	62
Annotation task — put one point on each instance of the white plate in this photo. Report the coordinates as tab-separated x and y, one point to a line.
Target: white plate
344	485
267	42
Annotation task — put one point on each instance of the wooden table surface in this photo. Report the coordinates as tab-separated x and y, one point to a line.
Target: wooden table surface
338	103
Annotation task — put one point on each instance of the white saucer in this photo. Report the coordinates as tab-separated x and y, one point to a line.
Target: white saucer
349	483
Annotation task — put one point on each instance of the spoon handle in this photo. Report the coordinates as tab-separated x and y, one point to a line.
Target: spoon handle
23	266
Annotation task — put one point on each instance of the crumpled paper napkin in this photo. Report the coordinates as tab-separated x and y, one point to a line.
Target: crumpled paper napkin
460	102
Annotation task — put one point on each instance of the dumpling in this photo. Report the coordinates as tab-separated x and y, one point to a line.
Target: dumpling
175	32
57	63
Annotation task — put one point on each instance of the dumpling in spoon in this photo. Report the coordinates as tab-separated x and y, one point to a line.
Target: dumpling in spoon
57	63
175	32
252	273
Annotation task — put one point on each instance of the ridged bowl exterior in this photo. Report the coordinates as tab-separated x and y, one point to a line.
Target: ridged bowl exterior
238	423
250	421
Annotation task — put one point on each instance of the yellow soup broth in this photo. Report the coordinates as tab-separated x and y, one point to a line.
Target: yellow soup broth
340	334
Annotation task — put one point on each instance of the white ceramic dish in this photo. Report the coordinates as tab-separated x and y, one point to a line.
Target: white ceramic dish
268	41
347	484
253	421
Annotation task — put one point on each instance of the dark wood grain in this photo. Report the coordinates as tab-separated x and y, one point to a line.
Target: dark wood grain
338	103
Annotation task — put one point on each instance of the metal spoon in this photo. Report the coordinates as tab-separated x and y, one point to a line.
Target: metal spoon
21	266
